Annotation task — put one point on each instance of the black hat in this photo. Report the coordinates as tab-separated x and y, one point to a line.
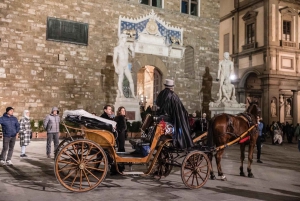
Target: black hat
9	108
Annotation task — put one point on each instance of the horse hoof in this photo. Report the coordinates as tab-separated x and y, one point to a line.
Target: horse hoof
223	178
242	174
213	177
251	175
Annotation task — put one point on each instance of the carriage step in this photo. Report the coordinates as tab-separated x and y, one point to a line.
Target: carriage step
123	153
129	173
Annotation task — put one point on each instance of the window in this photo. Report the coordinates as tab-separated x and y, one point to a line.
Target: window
250	30
155	3
250	33
190	7
189	62
286	30
226	43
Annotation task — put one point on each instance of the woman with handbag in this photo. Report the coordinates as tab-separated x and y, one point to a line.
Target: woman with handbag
25	132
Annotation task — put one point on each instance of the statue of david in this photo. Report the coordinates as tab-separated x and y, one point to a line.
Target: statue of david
121	55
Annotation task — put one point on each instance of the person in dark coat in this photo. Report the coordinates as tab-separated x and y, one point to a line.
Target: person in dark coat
107	114
10	128
121	128
169	104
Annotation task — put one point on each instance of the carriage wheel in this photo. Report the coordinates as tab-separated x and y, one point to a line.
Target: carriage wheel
162	167
65	142
195	169
81	165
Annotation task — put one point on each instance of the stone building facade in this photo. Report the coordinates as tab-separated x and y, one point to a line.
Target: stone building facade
263	38
37	74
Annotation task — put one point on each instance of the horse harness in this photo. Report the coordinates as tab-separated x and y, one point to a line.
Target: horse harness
246	116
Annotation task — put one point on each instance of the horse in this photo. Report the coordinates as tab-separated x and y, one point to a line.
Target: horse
225	128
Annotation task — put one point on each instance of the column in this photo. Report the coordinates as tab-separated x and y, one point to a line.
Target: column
296	108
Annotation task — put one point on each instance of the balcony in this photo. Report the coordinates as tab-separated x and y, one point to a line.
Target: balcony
284	43
249	46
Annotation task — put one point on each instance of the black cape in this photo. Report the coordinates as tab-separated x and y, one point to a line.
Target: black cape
170	104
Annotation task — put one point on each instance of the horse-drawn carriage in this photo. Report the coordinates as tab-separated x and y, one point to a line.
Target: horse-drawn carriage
82	162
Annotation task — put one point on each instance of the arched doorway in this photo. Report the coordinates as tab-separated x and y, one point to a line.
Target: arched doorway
149	84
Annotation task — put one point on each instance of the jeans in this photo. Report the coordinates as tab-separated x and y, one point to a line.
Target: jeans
299	144
258	146
23	148
8	144
55	137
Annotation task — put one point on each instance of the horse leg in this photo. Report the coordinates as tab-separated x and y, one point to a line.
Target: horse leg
242	148
212	175
250	156
218	161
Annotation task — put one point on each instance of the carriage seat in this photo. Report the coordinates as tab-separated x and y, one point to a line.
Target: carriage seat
89	123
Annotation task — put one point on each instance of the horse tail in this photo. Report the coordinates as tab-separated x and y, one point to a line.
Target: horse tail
210	133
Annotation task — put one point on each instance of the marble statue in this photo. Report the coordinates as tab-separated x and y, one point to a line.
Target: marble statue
288	109
121	54
224	72
228	91
281	101
273	108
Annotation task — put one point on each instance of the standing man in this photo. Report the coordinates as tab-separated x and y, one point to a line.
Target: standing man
170	104
121	55
51	125
10	128
203	123
224	72
258	141
107	114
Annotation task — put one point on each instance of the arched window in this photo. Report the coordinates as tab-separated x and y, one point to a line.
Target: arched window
189	70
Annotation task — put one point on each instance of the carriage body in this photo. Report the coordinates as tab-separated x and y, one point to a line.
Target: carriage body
82	164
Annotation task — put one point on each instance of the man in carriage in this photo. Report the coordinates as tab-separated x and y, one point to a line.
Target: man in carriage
169	104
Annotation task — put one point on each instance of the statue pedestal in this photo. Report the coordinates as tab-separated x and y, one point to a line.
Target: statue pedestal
288	119
226	107
132	108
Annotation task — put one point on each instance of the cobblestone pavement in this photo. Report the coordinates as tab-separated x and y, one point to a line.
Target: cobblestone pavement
276	179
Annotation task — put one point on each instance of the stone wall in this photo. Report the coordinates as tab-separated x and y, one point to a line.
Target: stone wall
32	76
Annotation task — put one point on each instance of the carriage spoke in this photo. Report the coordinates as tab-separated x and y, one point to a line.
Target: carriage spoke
88	152
92	174
66	168
80	186
200	176
203	166
76	152
67	162
187	172
92	157
98	169
204	172
87	178
70	156
199	162
70	173
193	179
93	162
189	177
197	180
194	160
81	151
74	178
